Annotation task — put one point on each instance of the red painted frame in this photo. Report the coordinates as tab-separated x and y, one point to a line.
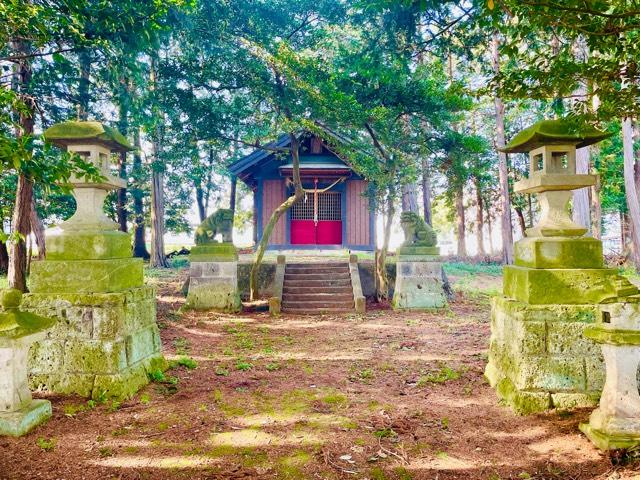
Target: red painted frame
327	232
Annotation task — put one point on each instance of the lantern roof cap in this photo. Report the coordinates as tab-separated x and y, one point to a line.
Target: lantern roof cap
75	131
560	131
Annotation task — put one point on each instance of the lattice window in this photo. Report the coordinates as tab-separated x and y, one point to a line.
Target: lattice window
303	209
329	206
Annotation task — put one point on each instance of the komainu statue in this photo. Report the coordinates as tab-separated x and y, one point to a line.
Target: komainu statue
416	231
220	222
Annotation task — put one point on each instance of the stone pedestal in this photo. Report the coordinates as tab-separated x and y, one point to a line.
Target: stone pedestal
106	339
418	279
538	357
615	423
213	283
19	413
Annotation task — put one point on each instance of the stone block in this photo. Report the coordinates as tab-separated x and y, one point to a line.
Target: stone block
21	422
595	372
214	252
559	286
418	285
551	374
418	250
571	401
95	356
559	252
47	356
566	338
74	245
142	344
86	276
214	286
528	338
64	383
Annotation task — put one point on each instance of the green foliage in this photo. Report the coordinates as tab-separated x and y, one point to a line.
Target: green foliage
45	444
183	361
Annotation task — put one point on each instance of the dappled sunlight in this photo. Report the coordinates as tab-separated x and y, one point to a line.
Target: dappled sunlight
270	419
563	448
255	438
441	462
198	332
461	402
295	324
165	462
526	433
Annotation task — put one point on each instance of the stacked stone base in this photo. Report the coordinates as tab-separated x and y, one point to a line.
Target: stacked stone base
213	281
539	359
418	279
103	345
18	423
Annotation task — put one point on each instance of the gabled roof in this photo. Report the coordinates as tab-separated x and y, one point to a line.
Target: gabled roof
258	155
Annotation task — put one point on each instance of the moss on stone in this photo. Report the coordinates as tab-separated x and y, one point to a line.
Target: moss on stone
71	245
561	131
67	132
559	252
609	442
560	286
86	276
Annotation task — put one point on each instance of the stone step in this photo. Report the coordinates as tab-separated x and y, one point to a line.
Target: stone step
307	269
317	283
303	277
318	297
332	289
316	311
321	304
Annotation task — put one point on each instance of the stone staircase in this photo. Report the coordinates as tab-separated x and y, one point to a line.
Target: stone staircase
312	288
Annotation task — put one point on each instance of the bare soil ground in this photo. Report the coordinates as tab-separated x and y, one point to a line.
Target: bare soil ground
387	395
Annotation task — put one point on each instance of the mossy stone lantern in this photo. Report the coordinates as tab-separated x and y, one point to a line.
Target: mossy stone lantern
552	172
19	412
107	339
96	143
538	358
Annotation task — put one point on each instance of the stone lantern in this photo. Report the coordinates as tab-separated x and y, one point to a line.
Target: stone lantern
615	424
96	143
19	412
107	338
538	358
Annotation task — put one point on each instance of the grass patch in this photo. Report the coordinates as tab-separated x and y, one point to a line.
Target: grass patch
445	374
462	269
184	361
46	444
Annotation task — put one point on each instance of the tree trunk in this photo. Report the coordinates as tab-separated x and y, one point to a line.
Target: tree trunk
505	203
202	209
22	226
121	207
382	279
84	83
139	234
158	256
490	228
38	229
521	221
426	191
123	126
24	193
4	258
232	194
623	232
410	198
581	200
633	206
298	193
596	221
479	218
460	223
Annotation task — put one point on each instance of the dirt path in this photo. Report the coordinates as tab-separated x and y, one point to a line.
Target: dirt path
386	396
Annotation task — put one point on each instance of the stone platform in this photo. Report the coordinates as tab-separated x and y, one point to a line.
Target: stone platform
103	345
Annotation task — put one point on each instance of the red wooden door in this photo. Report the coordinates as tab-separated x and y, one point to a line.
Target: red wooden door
317	220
